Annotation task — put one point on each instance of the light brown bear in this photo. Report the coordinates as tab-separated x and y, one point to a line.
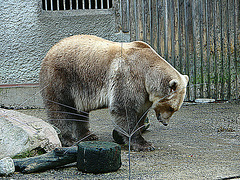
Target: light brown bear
82	73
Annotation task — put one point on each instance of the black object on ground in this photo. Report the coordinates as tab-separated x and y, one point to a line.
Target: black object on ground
53	159
98	157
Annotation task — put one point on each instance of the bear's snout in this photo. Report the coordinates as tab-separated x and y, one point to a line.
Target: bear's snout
162	120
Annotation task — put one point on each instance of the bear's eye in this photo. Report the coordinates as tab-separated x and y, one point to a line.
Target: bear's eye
171	109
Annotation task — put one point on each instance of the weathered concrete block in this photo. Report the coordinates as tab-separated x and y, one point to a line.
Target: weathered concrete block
204	100
6	166
21	133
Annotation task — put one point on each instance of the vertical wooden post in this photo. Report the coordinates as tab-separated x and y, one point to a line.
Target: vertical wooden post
117	15
125	15
136	19
46	5
71	5
58	8
208	50
102	4
166	29
132	20
186	44
215	51
201	46
140	19
228	53
172	15
76	4
158	28
64	5
194	51
179	38
221	53
235	47
150	23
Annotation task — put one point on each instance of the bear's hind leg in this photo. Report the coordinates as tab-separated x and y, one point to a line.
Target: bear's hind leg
73	126
81	128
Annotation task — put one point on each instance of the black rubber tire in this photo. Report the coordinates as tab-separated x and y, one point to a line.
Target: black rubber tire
98	157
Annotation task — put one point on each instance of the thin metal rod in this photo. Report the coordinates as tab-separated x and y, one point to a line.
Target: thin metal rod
129	158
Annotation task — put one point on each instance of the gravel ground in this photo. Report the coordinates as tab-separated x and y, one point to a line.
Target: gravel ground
201	142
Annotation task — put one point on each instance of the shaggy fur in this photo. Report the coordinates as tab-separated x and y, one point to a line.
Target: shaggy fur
87	73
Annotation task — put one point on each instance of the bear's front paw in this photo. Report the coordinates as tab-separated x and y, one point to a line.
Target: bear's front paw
138	143
143	147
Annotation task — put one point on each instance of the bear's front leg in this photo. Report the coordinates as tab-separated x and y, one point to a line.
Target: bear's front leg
126	123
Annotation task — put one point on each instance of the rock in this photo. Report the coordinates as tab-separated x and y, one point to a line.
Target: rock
6	166
20	133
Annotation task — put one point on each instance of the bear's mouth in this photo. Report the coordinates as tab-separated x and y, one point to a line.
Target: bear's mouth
163	121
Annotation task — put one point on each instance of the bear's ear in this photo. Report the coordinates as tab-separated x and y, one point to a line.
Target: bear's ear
173	84
186	77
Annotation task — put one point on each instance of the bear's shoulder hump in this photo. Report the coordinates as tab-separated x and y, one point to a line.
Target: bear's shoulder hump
140	44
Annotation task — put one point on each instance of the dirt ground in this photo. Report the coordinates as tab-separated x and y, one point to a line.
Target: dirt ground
202	141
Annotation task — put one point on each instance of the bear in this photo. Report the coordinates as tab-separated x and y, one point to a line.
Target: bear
82	73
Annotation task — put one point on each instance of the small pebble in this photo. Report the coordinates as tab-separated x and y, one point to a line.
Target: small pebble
6	166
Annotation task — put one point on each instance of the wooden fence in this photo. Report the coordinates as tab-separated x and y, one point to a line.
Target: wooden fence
199	38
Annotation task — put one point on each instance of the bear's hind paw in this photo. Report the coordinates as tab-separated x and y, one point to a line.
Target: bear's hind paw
90	137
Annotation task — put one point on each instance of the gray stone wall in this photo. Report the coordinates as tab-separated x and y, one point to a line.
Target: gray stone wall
27	33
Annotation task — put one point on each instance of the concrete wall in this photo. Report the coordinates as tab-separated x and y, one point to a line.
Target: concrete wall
27	33
21	96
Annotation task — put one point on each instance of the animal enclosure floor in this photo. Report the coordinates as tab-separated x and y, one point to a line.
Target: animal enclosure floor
201	142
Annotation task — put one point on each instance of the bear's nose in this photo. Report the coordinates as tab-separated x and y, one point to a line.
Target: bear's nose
163	121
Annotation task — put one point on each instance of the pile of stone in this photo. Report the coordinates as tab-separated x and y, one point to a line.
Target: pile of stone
21	133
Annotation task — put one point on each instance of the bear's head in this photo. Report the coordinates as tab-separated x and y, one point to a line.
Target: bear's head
167	97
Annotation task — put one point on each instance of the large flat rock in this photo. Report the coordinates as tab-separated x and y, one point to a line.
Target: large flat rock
20	133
